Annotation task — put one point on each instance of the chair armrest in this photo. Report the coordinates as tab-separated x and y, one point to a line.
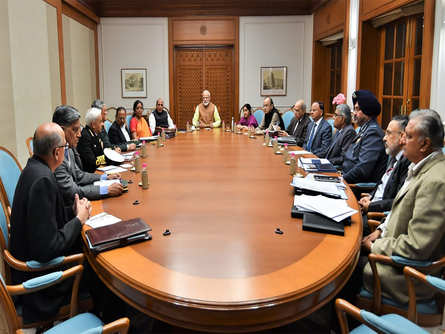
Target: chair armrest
343	307
376	215
373	224
30	266
119	326
45	281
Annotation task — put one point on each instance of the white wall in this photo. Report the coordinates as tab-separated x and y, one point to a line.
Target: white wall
437	101
133	43
275	41
35	74
80	64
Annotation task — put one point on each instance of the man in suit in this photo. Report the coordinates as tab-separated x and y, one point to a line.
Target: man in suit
415	229
118	133
160	118
381	198
42	228
319	132
299	124
91	147
365	160
343	137
69	175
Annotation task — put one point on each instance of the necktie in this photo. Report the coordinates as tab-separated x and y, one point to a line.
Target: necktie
391	164
311	137
295	128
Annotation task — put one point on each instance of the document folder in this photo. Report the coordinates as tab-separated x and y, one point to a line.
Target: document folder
317	223
117	235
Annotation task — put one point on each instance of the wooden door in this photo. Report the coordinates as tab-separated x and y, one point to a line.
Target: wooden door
199	68
400	66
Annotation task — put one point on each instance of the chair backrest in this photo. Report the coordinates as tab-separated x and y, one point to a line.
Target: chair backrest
30	146
287	117
259	114
4	235
129	120
331	123
107	125
10	170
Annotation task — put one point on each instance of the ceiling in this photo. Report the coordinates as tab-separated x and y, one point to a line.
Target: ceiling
170	8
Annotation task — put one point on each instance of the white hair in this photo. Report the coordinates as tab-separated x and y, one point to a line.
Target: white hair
92	115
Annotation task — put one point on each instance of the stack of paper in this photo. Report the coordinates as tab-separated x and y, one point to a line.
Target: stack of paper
329	188
336	209
102	219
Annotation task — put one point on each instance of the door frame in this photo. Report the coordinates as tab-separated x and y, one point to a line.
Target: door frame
202	31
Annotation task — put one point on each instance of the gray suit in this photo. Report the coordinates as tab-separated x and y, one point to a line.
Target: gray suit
342	139
415	230
72	180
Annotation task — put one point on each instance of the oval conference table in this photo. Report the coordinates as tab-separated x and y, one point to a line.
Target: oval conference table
223	268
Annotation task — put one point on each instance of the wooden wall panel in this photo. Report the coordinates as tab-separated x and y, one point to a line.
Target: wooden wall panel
219	80
329	19
320	73
203	31
427	54
373	8
369	62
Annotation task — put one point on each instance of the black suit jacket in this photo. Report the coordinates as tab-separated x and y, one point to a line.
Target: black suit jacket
41	229
300	131
395	182
117	137
322	139
340	143
90	150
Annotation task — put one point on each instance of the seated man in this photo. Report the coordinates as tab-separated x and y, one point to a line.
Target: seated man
381	198
206	113
415	229
365	159
272	120
99	104
299	124
41	227
69	175
91	147
319	132
343	137
118	133
160	118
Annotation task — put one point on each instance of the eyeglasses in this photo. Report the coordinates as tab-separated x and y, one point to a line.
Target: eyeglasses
66	146
356	108
338	115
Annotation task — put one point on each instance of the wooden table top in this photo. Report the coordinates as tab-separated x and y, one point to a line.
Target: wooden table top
223	268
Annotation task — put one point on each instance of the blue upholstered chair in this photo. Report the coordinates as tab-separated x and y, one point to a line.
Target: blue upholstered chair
82	323
390	323
429	312
287	117
331	123
129	120
107	125
10	170
30	146
259	114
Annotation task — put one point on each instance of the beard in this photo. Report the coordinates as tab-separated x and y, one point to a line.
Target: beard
206	103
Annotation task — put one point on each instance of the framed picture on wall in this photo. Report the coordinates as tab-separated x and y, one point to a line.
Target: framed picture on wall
134	82
273	80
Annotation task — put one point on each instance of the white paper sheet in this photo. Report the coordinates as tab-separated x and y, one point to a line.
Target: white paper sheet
106	182
102	219
115	170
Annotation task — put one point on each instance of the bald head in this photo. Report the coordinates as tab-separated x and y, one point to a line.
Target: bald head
46	138
299	109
